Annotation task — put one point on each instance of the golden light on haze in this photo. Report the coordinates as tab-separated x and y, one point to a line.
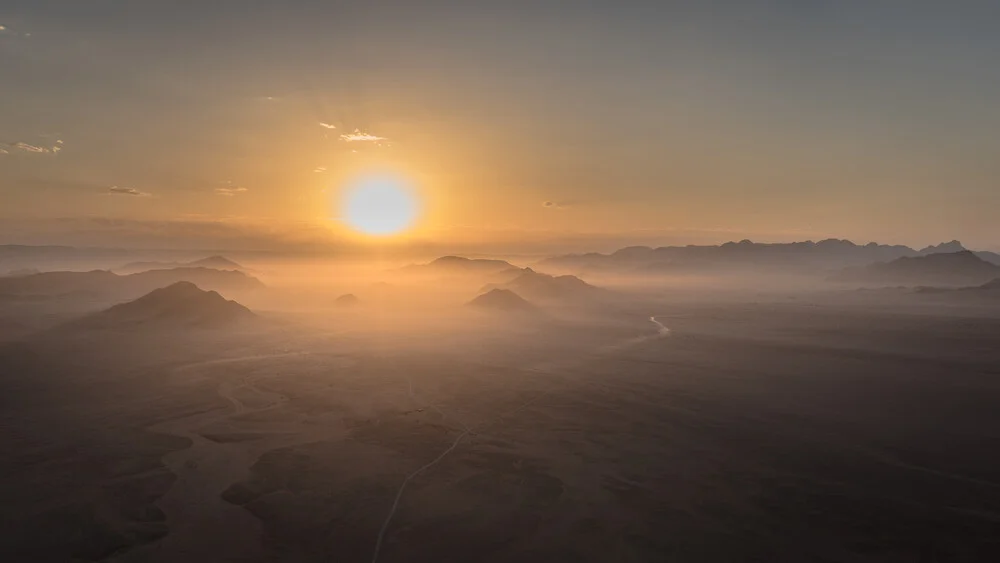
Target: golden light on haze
379	205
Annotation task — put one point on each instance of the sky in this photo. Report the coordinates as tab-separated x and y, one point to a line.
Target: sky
523	125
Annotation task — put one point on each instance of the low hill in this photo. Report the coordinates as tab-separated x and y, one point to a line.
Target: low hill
346	301
543	287
502	300
962	268
182	304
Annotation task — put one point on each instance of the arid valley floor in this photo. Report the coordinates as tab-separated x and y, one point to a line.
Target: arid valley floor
665	426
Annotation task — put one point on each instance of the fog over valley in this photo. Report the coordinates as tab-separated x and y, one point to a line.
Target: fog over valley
295	410
533	281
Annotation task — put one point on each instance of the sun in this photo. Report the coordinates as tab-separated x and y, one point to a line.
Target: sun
379	206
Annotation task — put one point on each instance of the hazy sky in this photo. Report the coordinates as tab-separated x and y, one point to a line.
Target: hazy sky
646	121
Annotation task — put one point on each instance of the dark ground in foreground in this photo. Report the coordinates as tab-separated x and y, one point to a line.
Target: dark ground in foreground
751	433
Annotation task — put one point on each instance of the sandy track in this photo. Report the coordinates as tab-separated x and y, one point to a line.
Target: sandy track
662	331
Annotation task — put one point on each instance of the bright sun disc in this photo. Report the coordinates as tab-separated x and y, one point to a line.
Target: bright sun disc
380	206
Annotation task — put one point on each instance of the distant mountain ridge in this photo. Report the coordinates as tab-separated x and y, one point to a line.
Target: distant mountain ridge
459	264
461	269
102	283
214	262
829	254
961	268
182	304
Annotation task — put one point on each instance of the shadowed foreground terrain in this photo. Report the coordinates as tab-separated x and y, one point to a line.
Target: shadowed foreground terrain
748	431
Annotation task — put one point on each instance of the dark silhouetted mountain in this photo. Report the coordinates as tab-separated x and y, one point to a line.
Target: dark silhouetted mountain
951	269
348	300
102	284
213	262
744	255
182	304
543	287
502	300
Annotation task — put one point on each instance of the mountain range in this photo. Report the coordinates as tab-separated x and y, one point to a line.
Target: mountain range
989	290
963	268
828	255
213	262
105	284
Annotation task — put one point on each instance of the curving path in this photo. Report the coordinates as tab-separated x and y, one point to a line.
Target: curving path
662	331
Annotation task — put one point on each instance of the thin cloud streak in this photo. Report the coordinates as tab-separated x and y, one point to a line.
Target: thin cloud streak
115	190
20	146
359	136
25	147
559	204
231	191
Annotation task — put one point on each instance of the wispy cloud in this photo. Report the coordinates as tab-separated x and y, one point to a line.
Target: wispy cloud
327	125
320	169
115	190
359	136
230	191
31	148
558	204
4	30
20	146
